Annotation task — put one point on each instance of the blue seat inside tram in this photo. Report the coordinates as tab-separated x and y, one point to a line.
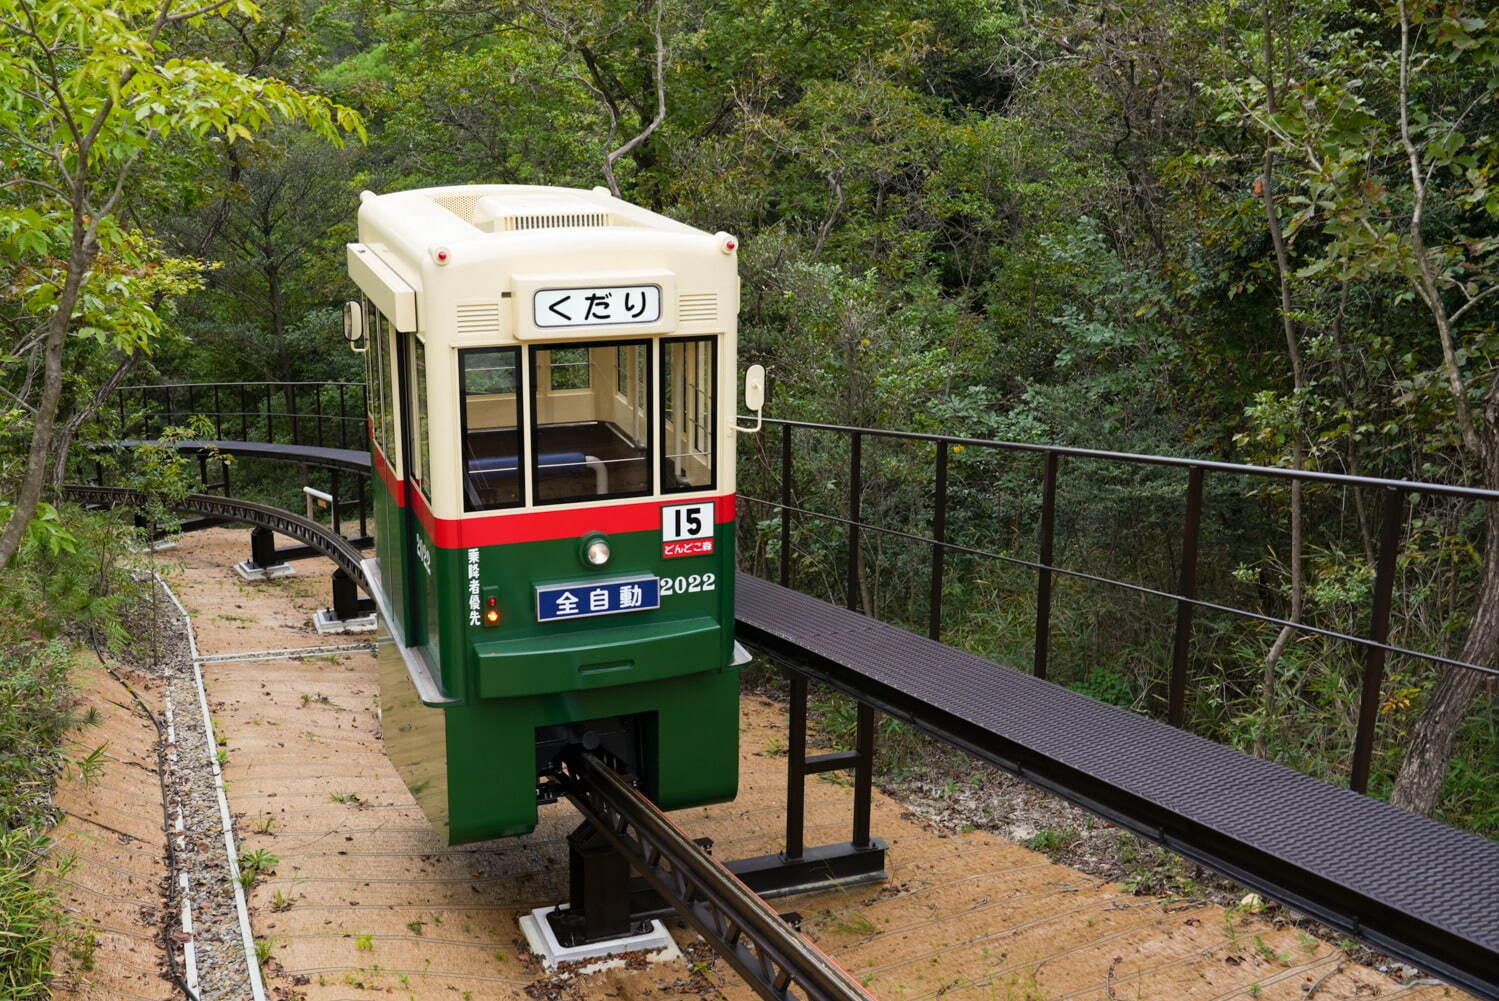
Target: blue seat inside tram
505	466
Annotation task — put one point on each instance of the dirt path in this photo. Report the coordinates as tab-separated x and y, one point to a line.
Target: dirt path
112	830
365	900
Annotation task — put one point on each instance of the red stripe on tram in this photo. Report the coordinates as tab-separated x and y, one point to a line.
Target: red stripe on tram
540	526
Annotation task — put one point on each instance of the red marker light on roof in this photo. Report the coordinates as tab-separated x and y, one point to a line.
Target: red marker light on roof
440	255
492	612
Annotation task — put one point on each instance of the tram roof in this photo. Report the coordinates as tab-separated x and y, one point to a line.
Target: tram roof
454	243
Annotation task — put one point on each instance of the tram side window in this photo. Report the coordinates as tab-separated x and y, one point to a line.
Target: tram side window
689	430
589	421
420	446
381	384
493	460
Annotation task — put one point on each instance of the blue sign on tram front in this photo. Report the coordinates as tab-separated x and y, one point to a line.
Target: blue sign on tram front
596	597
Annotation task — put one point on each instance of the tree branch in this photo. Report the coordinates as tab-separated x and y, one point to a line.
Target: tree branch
659	77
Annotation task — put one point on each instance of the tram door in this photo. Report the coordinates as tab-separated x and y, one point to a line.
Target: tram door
421	596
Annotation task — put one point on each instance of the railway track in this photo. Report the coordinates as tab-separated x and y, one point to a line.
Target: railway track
771	956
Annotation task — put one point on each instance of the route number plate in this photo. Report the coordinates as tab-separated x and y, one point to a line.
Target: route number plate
687	530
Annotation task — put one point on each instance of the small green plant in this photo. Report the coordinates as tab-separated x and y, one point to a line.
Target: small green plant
856	924
263	949
280	901
318	699
1268	951
222	756
91	765
84	943
1052	841
253	865
1255	990
415	927
265	826
346	798
364	942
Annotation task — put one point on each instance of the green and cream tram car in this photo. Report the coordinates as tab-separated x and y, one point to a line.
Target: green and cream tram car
551	408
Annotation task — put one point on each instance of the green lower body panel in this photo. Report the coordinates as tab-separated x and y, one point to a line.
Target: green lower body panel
472	767
689	729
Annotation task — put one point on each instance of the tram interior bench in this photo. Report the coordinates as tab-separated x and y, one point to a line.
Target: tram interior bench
573	459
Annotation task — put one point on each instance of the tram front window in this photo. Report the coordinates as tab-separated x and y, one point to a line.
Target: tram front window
491	429
590	421
688	425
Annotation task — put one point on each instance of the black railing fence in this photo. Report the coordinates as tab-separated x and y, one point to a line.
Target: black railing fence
322	414
1148	506
874	518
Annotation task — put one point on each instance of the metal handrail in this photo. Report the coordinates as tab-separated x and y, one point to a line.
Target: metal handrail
1177	462
1375	645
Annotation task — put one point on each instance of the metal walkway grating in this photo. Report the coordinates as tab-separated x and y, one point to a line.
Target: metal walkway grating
1407	885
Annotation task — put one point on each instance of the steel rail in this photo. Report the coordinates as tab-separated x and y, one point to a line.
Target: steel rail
324	540
771	956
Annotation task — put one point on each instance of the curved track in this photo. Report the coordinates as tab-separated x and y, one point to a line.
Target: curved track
332	545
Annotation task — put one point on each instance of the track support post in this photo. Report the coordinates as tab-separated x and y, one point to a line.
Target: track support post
264	562
350	613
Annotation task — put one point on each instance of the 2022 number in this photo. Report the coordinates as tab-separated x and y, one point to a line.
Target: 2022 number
691	584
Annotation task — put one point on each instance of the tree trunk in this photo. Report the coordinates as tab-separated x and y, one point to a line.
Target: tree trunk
44	426
64	438
1418	788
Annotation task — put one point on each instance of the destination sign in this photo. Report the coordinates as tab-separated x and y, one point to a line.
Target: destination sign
596	307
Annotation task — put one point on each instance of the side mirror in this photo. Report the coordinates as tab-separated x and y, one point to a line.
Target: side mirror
354	326
754	397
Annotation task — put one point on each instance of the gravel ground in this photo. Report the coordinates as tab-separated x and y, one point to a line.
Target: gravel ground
222	971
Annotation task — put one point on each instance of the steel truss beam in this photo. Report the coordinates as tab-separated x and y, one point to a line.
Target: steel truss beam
338	549
763	949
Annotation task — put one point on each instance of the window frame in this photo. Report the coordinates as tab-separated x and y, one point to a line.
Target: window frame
522	466
533	427
421	420
713	443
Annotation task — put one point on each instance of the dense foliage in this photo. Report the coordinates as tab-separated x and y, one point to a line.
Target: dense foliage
1265	232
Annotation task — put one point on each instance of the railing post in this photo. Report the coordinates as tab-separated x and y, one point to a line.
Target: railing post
785	505
317	410
939	549
863	775
244	413
333	492
796	764
364	529
290	389
343	418
1043	575
1379	632
1191	525
218	414
855	488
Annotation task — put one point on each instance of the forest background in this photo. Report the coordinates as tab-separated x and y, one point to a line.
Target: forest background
1261	232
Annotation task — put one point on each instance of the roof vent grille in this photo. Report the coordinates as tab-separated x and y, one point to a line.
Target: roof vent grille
513	213
478	319
697	307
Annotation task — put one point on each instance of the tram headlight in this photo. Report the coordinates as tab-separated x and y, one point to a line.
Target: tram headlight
596	551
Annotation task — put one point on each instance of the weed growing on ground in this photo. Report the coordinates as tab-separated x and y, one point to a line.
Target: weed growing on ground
253	865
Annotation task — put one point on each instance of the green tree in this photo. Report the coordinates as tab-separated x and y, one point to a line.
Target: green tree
90	93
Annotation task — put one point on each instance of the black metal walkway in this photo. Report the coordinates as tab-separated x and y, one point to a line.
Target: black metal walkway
1407	885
